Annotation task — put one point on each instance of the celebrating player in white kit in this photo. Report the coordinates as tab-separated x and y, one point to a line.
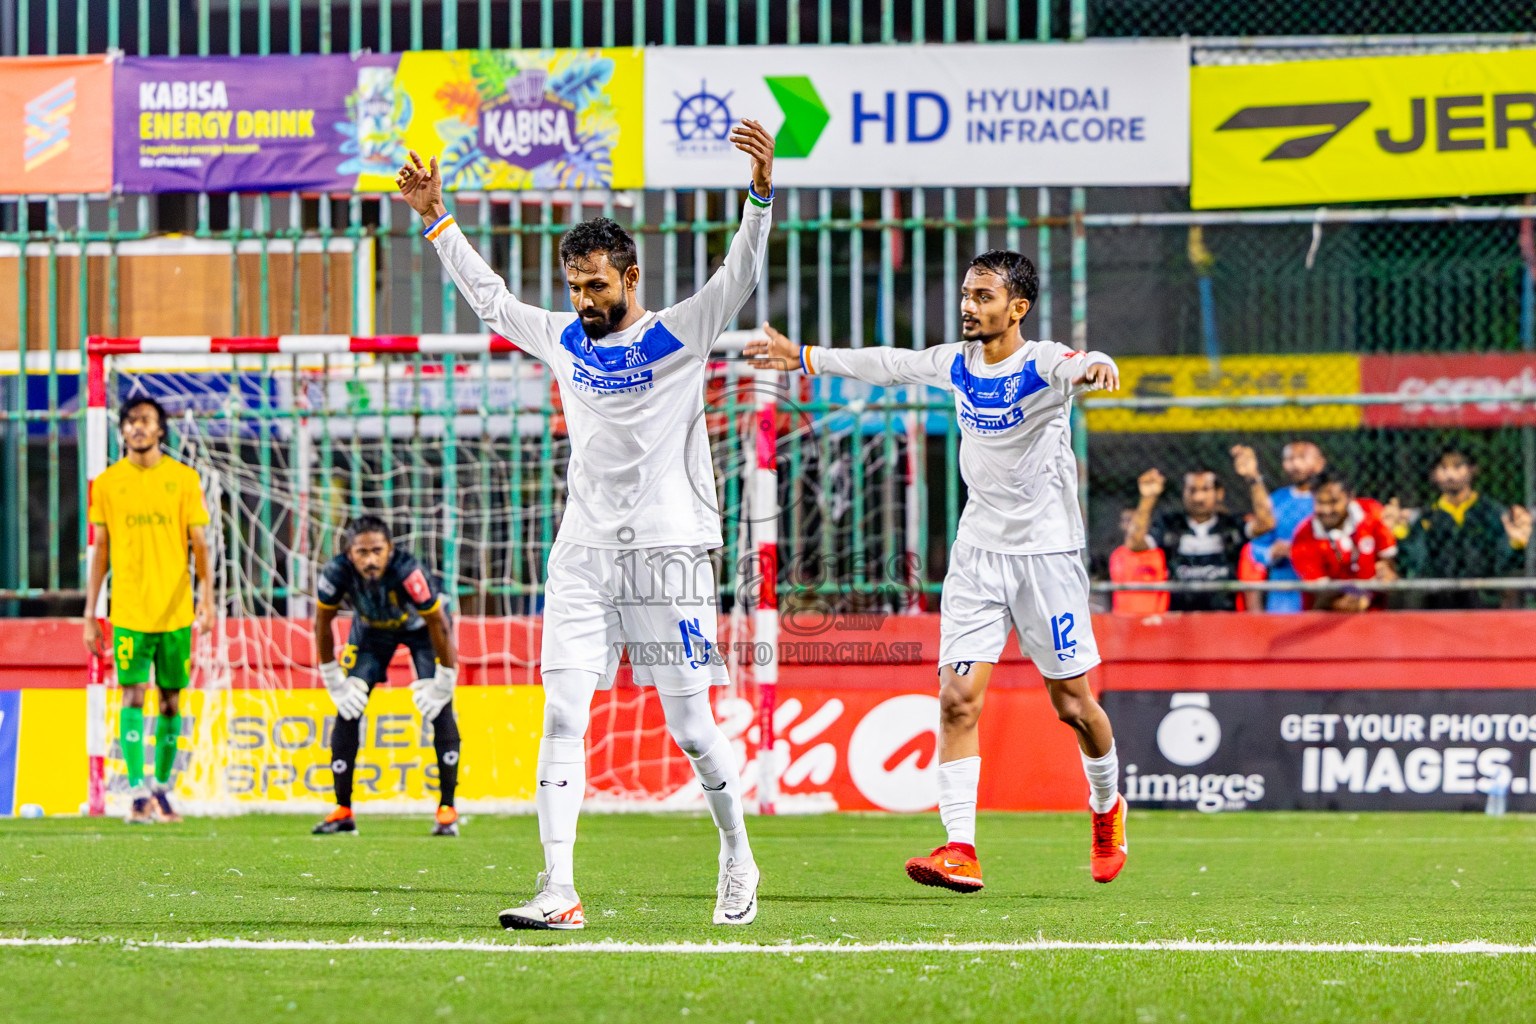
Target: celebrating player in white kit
631	561
1016	561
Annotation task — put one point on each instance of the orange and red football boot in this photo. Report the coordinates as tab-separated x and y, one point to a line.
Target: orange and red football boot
952	866
1107	855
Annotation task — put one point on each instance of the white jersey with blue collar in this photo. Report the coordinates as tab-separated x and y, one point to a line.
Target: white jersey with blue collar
1015	439
640	472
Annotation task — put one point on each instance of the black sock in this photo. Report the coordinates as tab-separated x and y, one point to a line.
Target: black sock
445	739
344	740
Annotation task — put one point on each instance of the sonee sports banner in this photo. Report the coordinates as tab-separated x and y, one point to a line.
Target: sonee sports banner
1331	131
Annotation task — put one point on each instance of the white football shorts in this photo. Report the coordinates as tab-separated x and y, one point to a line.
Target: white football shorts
1043	598
658	604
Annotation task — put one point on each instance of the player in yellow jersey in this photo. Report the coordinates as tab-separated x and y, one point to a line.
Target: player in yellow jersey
148	510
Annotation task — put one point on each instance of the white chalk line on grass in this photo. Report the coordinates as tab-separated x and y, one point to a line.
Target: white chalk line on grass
1470	948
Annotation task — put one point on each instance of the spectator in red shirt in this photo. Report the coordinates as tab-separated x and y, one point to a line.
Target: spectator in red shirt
1127	565
1343	539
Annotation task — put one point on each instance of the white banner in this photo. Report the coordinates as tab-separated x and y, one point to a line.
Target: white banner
1027	114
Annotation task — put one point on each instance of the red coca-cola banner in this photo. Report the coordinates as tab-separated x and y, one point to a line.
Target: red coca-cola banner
1426	381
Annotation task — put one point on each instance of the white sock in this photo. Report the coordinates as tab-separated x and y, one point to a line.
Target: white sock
562	781
957	798
1103	779
691	721
716	767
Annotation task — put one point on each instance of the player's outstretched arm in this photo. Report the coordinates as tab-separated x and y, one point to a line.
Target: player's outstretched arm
325	637
530	328
880	365
698	320
100	559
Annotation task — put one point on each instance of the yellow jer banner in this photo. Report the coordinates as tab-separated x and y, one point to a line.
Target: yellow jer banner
1363	129
1153	377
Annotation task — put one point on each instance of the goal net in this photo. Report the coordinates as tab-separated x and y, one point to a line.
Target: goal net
459	442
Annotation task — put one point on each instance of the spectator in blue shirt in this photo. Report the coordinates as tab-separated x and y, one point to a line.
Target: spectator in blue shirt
1301	461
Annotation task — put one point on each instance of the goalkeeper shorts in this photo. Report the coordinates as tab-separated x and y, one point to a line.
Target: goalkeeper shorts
368	652
1042	598
656	604
168	654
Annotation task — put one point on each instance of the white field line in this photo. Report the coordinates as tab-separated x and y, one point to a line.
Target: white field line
1470	948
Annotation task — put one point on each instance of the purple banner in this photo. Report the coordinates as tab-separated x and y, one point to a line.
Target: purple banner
238	124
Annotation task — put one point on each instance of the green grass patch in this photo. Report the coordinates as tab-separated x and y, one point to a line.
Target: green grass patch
1304	878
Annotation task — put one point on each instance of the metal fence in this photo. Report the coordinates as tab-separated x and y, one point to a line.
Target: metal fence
1121	269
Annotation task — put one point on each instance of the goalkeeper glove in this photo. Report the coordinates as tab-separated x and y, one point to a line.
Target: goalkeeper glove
349	692
432	694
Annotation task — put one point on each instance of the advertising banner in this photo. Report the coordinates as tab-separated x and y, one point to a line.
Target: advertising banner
1425	381
497	119
56	120
518	119
1079	114
234	124
1355	750
1234	376
1363	129
260	748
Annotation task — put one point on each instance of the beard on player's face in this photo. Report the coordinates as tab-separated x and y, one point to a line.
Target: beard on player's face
599	323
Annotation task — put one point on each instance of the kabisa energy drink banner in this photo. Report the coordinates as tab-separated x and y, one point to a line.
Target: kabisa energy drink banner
501	119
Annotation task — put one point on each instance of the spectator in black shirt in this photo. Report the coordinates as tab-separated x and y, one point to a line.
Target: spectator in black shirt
1201	541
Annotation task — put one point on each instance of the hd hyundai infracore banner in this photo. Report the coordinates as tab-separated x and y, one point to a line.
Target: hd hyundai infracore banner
1330	131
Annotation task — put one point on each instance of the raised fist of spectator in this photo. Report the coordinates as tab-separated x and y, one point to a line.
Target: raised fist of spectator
1150	484
1245	463
1517	524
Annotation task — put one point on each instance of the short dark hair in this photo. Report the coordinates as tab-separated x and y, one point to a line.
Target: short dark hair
367	523
1215	476
139	402
1013	267
1455	453
1331	476
602	234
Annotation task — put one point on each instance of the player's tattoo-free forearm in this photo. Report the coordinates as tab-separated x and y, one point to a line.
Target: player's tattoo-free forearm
325	639
442	639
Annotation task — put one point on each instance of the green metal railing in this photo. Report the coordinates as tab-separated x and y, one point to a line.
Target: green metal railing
847	266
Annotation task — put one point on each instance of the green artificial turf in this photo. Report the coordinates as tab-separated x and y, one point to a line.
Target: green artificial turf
1301	878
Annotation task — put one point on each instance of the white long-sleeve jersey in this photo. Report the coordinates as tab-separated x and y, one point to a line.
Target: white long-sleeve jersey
1015	442
640	472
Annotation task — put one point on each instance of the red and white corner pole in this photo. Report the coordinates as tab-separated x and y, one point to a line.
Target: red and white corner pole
765	618
95	682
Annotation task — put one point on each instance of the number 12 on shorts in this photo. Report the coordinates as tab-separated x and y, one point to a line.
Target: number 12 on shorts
1061	636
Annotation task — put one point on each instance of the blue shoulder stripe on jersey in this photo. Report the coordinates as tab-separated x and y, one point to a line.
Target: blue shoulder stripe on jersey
995	392
656	343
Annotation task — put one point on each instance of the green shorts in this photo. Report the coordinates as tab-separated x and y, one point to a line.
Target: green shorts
170	653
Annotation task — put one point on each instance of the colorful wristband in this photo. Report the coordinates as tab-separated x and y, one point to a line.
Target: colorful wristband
438	227
758	200
805	363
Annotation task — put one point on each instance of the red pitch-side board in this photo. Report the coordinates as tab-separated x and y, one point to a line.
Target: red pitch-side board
865	732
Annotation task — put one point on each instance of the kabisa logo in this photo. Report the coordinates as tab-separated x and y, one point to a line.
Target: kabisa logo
530	127
1189	734
1061	636
47	124
1455	119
